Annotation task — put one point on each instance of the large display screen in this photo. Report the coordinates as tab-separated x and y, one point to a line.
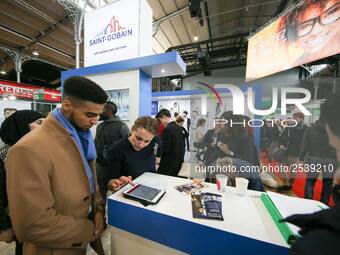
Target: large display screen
306	33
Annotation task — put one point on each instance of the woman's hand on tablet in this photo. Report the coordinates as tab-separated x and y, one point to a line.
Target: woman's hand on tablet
116	184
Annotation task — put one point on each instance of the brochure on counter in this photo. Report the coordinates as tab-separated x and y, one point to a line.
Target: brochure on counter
206	206
190	187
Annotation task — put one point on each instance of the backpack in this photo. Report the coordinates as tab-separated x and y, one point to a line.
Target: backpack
103	142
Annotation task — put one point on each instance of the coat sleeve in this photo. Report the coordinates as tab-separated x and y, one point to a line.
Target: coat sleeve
4	219
31	203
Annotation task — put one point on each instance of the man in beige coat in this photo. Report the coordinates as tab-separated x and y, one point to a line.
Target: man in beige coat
51	181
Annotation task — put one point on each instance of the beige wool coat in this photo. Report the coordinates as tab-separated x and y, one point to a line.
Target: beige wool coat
49	192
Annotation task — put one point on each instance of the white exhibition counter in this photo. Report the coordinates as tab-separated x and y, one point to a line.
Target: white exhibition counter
169	228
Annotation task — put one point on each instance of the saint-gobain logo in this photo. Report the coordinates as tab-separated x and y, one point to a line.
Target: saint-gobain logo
112	31
239	99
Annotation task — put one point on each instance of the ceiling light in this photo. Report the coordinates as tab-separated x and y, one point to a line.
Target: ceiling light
3	72
35	53
35	50
163	71
195	38
12	97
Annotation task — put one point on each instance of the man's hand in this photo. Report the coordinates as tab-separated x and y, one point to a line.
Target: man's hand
224	148
116	184
98	225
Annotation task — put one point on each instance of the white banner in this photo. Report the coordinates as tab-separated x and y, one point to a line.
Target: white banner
111	33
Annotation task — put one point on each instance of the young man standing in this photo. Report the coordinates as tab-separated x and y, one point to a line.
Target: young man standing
111	130
53	198
172	145
187	124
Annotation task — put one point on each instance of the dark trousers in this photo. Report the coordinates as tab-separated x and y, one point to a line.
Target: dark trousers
102	180
187	142
18	248
327	177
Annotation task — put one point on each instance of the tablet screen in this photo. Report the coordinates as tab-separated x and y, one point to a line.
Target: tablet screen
144	192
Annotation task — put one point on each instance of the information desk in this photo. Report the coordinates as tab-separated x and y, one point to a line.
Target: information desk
247	227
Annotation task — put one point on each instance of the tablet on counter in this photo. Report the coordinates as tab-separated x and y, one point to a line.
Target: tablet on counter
144	193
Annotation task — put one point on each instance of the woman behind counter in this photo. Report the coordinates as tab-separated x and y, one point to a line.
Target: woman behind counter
134	155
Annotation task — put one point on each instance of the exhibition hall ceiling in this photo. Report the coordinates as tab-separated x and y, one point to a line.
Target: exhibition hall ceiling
45	26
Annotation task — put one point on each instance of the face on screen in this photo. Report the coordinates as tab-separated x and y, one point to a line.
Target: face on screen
318	26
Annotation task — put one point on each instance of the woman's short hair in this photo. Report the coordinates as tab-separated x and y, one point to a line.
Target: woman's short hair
146	122
179	119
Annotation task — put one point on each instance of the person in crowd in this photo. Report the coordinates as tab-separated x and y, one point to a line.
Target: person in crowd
279	126
135	154
55	204
108	132
198	137
236	142
265	135
210	144
172	144
321	230
180	122
187	124
12	130
316	151
290	141
312	28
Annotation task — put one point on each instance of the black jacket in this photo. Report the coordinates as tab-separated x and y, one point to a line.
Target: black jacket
109	132
320	232
124	160
315	143
291	138
172	150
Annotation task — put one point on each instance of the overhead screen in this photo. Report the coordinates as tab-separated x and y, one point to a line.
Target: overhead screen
306	33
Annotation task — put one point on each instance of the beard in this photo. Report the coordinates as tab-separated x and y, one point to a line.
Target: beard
74	124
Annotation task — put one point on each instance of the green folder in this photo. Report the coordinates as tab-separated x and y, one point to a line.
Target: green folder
285	230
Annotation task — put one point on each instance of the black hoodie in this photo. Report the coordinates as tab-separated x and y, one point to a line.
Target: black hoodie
315	142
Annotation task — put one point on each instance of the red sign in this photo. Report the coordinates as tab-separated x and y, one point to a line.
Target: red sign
25	91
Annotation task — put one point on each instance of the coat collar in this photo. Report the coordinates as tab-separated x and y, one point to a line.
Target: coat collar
54	127
57	130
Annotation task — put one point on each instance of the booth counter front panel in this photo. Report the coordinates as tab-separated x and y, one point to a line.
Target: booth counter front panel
247	227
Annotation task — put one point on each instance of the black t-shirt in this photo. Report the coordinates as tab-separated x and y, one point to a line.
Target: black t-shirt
123	160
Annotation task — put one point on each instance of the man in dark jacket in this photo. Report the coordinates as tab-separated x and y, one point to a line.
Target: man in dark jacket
291	140
316	151
172	145
108	132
